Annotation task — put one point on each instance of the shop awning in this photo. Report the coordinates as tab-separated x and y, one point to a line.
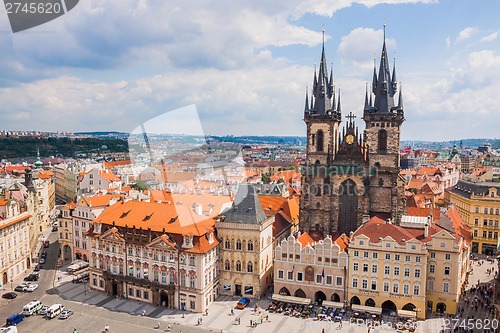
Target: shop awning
291	299
407	314
369	309
333	304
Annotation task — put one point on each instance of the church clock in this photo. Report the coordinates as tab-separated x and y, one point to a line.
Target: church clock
349	139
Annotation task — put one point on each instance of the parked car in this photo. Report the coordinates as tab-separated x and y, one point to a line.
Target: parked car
37	268
32	277
31	287
66	314
14	319
44	254
54	228
43	310
42	261
21	287
9	295
243	303
10	329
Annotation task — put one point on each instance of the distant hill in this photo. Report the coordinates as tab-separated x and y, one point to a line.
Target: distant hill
27	146
467	143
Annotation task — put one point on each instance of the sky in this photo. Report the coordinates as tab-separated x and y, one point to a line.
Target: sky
244	66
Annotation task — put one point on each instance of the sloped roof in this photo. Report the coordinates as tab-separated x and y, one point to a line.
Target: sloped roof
305	239
246	207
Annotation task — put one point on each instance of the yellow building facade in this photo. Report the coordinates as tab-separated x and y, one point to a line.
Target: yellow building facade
479	206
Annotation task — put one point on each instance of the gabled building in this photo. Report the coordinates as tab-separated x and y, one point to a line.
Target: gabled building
312	270
246	252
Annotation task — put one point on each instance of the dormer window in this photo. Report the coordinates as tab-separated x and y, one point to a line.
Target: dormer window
188	242
210	238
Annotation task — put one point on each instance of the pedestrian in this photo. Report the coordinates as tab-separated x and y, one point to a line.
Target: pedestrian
75	330
206	312
251	322
261	319
232	312
168	328
267	317
106	328
340	323
143	313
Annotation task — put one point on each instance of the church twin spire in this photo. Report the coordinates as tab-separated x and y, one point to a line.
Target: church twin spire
323	90
384	86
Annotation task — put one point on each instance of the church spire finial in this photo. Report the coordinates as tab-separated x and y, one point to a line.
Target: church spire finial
306	107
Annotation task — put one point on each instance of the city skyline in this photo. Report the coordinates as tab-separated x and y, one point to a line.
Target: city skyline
115	65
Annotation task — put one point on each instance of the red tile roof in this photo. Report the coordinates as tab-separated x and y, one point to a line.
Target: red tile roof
305	239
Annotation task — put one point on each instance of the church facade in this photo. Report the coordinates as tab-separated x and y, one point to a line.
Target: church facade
350	175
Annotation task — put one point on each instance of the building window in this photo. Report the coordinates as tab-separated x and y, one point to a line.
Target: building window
238	266
339	281
356	253
396	271
476	221
432	268
406	289
364	284
365	254
417	272
396	257
319	141
382	140
447	256
430	285
227	244
416	290
191	260
355	266
484	234
146	294
227	265
407	258
130	292
386	286
281	274
354	282
238	245
192	303
374	285
375	255
365	267
407	271
137	293
290	275
299	276
387	256
250	267
446	270
374	269
250	246
318	278
433	255
387	270
446	287
475	233
395	288
418	259
191	282
329	279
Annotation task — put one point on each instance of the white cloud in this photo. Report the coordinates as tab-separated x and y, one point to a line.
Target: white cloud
466	34
491	37
358	46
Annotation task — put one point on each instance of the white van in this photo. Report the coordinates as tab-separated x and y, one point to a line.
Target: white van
54	310
32	307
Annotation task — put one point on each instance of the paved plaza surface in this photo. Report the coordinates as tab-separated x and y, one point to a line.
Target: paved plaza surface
94	310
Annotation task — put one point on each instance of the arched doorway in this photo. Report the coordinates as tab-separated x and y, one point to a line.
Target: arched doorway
28	263
388	307
370	302
355	300
441	307
409	307
85	258
5	278
284	291
335	298
67	252
114	288
300	293
319	297
164	299
348	212
78	256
